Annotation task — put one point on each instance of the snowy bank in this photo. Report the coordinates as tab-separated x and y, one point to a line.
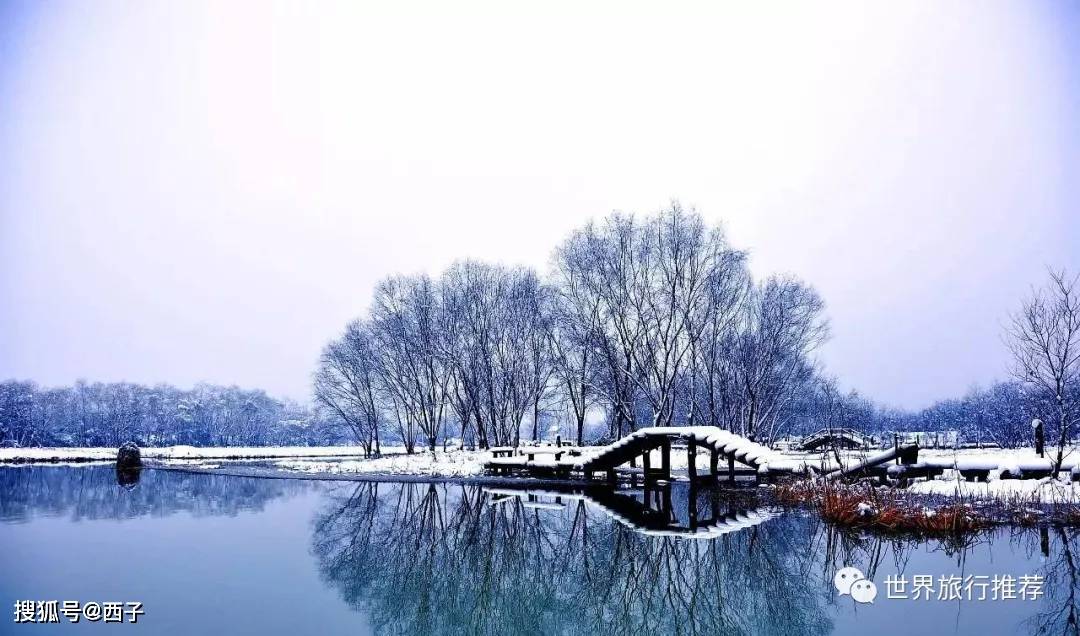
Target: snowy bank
1033	491
166	453
452	463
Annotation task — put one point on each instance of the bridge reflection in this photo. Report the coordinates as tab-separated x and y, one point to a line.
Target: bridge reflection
701	513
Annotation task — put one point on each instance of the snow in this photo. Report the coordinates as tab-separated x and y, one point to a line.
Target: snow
70	454
31	455
1028	490
1013	462
344	460
453	463
745	450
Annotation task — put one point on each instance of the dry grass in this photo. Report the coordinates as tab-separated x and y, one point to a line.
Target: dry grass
863	506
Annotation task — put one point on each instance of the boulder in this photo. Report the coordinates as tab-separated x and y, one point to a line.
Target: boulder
128	456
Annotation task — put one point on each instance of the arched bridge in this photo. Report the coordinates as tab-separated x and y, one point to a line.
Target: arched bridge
847	438
642	442
640	445
559	462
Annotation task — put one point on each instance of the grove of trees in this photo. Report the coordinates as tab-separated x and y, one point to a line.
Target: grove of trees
643	321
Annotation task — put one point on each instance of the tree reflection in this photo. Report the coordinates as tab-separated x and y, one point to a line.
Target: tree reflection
432	559
442	559
100	492
1059	613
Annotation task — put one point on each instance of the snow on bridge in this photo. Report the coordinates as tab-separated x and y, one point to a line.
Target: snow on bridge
640	445
835	438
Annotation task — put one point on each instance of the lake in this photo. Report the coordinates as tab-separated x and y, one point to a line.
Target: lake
222	554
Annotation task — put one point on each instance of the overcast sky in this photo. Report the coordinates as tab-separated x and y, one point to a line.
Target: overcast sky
208	191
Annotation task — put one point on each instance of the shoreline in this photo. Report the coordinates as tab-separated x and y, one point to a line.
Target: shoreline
920	501
1005	477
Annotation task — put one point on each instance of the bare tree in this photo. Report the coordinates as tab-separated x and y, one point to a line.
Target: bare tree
406	335
671	302
346	384
573	330
1044	338
784	325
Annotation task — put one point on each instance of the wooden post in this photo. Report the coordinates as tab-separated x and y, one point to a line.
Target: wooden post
714	463
612	478
665	459
731	468
691	460
692	502
646	463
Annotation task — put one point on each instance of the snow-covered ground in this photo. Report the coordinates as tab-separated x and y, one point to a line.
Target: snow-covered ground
345	460
999	458
31	455
304	459
1023	491
452	463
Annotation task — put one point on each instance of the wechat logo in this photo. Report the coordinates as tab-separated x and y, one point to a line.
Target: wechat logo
853	582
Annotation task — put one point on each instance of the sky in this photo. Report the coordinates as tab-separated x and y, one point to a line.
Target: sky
208	191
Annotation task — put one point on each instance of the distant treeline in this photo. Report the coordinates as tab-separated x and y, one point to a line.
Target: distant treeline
1000	414
101	414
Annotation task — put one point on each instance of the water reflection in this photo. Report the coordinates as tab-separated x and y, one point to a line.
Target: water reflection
102	493
431	559
444	559
428	559
1058	614
691	513
128	477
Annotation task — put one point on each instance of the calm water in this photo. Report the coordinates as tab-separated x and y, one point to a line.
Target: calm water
218	554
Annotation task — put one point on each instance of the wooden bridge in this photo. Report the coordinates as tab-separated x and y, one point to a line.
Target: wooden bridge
608	461
847	438
640	445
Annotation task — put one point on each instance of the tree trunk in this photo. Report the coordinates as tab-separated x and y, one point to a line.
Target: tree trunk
536	420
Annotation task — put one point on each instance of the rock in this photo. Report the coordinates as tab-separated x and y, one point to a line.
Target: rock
128	456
